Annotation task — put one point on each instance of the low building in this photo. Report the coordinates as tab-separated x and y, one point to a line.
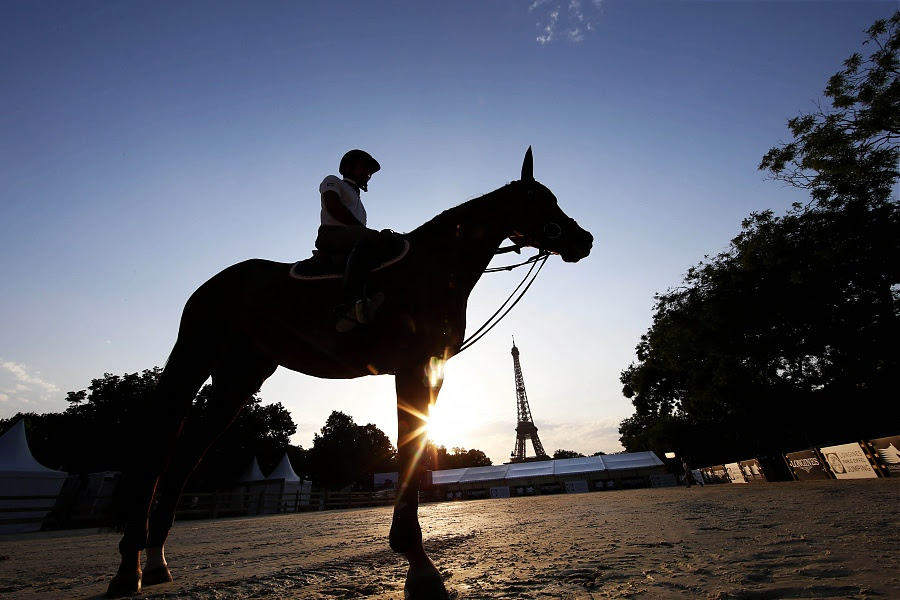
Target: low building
569	475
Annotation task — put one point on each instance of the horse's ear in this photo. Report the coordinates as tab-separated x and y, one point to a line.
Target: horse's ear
528	166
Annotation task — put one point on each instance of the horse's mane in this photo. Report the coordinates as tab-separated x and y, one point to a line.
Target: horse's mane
462	212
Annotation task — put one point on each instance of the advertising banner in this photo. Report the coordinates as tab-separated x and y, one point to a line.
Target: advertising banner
734	473
848	461
664	480
523	490
500	492
633	482
551	488
576	487
887	452
718	474
806	465
752	470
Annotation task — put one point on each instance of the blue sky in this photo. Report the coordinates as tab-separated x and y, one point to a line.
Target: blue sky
144	146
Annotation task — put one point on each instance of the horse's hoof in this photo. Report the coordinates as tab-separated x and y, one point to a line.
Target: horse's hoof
427	586
157	576
124	584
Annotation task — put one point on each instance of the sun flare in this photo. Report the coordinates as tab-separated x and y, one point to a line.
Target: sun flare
447	425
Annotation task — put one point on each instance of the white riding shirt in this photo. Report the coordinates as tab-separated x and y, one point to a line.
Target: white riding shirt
349	197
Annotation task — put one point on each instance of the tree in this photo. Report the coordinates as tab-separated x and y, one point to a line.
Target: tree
801	311
97	431
261	431
567	454
345	454
849	153
438	458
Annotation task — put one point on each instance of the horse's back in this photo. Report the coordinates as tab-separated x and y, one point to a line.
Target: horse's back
233	286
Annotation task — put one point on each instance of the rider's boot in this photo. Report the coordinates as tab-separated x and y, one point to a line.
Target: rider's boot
361	308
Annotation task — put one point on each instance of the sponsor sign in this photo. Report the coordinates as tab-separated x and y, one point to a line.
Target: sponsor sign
698	476
476	494
752	471
665	480
576	487
500	492
734	473
887	452
524	490
806	465
605	485
848	461
716	473
633	482
551	488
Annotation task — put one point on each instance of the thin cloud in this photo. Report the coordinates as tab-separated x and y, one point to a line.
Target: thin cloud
583	436
27	380
569	21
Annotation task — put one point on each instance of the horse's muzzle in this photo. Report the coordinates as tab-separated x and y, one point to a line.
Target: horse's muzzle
577	245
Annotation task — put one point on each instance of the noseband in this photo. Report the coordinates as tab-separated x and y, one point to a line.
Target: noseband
552	231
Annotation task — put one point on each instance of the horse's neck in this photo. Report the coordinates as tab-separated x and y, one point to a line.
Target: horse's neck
469	234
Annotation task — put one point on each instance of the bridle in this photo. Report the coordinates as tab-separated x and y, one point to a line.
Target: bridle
551	231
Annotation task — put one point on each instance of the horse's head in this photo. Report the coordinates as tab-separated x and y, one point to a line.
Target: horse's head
539	222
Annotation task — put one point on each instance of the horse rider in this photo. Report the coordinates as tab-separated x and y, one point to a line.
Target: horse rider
343	232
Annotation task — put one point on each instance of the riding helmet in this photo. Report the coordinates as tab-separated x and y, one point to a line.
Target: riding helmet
355	156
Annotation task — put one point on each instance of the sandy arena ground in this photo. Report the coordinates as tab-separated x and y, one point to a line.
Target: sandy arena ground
831	539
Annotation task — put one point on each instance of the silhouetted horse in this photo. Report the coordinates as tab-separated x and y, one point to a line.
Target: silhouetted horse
239	326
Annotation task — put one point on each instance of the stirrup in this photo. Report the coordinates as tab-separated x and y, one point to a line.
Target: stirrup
346	322
359	313
365	308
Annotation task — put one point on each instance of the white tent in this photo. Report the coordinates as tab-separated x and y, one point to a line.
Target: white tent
252	473
628	466
284	470
250	490
295	492
22	476
602	470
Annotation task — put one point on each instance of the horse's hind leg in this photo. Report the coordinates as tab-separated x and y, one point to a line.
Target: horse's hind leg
159	426
232	386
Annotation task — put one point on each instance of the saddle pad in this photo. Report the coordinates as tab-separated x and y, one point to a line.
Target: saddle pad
320	268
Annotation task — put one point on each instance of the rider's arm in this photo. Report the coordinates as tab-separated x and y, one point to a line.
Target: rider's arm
336	209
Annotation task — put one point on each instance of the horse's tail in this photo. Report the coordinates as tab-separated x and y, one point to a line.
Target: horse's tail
156	427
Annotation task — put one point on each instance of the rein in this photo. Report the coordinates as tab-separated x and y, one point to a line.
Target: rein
541	257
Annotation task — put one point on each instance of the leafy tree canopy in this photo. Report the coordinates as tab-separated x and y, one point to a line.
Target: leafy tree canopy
788	339
848	153
438	458
346	454
97	431
567	454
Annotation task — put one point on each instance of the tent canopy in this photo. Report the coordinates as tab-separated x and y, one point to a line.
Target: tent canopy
16	456
607	463
21	476
284	470
253	473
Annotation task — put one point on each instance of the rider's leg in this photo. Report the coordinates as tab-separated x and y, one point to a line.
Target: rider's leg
368	250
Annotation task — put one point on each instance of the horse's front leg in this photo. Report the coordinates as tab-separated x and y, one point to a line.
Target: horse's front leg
417	390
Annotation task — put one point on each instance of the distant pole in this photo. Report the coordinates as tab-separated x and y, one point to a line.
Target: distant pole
525	429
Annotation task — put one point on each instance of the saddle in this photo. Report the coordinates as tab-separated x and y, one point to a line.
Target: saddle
321	266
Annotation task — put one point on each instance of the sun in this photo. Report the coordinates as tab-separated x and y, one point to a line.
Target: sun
448	424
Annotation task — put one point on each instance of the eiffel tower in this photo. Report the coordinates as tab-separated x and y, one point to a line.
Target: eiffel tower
525	429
